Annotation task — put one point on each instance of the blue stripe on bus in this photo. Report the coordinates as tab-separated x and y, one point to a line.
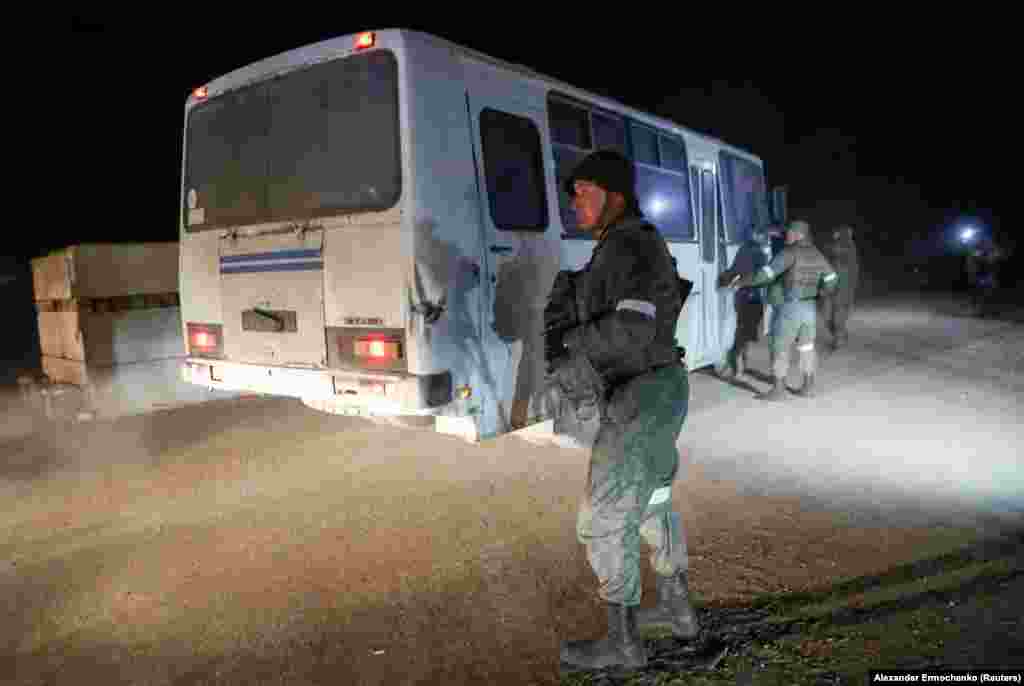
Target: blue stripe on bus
280	267
279	255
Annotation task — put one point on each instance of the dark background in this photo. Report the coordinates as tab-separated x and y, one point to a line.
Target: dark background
899	126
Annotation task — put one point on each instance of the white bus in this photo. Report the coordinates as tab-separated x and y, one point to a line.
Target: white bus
372	224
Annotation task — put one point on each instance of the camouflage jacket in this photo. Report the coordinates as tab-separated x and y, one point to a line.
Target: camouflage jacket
630	301
842	254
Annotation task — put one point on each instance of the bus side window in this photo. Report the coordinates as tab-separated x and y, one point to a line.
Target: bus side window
514	171
609	133
570	142
662	184
745	199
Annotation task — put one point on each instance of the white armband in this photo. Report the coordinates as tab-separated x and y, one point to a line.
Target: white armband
642	306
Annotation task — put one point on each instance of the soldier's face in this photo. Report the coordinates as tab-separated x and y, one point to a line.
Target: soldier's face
588	202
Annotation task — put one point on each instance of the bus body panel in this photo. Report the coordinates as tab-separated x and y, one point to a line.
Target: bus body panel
462	289
521	249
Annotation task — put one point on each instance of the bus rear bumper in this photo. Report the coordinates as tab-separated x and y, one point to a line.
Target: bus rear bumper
329	390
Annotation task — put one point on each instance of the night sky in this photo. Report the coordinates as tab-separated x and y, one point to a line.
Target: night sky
893	127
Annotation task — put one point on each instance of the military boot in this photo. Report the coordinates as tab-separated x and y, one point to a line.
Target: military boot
621	647
673	611
807	389
777	391
741	363
727	369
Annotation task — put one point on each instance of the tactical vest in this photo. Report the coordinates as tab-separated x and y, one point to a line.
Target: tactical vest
803	280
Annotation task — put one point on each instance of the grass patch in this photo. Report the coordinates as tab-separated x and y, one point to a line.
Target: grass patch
915	626
832	603
942	562
848	652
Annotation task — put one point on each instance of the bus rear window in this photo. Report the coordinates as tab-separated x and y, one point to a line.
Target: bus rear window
319	141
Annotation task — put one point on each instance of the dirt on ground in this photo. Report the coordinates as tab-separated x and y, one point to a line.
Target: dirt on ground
257	541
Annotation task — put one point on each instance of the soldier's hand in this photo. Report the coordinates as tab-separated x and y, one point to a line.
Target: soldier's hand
728	280
559	373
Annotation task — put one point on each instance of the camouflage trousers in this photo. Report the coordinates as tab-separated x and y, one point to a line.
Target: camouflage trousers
628	496
835	313
793	322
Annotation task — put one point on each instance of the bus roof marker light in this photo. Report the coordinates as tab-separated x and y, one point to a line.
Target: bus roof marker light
200	93
365	40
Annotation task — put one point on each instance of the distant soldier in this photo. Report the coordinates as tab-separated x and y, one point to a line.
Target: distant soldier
835	308
796	276
750	302
983	275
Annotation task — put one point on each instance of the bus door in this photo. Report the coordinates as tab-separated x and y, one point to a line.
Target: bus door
521	253
706	200
726	296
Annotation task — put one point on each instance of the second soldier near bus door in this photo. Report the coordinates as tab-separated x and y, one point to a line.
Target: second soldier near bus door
754	254
630	297
801	274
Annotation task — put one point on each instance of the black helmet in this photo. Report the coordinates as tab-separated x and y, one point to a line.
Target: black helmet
609	169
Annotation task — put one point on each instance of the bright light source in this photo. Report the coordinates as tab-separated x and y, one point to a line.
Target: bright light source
203	339
657	205
200	93
365	40
968	233
377	349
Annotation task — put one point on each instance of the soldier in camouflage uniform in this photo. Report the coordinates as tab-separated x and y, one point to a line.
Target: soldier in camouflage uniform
835	308
983	275
630	296
796	277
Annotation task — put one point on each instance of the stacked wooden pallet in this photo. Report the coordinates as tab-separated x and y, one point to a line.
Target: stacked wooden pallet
101	305
110	328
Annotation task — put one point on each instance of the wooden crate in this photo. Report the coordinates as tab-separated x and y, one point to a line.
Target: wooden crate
100	305
100	271
110	328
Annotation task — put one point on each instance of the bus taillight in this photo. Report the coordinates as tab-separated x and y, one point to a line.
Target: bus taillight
204	340
365	40
378	349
